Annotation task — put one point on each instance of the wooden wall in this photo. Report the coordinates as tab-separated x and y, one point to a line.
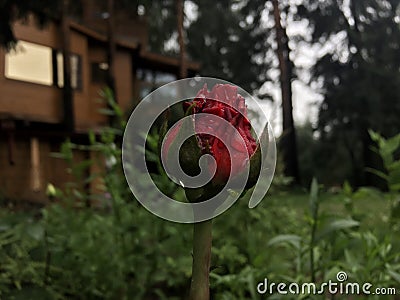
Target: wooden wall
36	102
124	79
33	168
26	100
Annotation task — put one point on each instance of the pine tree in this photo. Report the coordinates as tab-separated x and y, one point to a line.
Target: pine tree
359	78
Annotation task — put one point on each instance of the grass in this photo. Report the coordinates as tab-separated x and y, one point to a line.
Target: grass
369	205
153	255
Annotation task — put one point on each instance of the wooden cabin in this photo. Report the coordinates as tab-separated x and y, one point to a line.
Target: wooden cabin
34	116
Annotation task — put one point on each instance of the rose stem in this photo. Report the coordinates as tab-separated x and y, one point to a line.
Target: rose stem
202	237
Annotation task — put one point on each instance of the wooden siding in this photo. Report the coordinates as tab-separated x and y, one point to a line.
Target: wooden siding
25	100
28	177
34	167
36	102
124	79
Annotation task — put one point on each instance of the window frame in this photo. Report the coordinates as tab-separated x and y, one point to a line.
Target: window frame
79	86
7	77
54	69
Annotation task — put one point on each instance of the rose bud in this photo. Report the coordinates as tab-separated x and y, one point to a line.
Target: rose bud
224	102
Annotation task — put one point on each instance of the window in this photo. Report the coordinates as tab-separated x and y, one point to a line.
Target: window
99	72
43	65
76	70
151	80
30	62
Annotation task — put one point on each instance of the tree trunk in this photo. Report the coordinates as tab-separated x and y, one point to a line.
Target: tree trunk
182	50
68	101
288	140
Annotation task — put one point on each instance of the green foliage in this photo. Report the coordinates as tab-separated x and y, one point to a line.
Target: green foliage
107	246
388	149
358	78
94	246
96	255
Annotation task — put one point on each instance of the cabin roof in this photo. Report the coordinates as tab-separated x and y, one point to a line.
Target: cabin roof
101	37
147	59
160	61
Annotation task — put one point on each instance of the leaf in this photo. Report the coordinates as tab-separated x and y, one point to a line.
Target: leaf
347	189
368	193
395	275
336	225
106	111
286	238
376	137
377	173
392	144
36	231
92	137
394	166
395	187
260	168
150	156
350	259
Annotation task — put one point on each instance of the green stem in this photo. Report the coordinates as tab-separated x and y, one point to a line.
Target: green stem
202	237
312	243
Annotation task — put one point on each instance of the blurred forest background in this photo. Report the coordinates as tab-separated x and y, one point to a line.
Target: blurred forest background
343	56
342	53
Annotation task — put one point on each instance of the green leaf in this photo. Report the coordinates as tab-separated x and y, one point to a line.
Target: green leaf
163	131
92	137
392	144
255	168
377	173
107	111
286	238
347	189
376	137
36	231
395	187
368	193
395	275
394	166
336	225
256	162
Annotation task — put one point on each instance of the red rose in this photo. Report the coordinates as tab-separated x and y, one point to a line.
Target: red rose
223	101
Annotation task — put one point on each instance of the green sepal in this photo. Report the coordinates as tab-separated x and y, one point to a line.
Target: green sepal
190	151
255	168
204	193
255	163
161	134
